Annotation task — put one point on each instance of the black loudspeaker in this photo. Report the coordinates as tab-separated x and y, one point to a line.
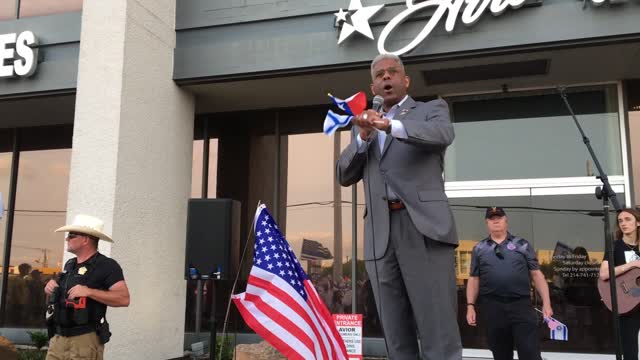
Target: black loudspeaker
213	239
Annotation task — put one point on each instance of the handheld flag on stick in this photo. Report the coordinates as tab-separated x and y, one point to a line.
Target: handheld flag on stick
353	105
281	304
334	121
557	330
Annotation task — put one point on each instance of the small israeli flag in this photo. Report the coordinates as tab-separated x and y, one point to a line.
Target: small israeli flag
334	121
558	330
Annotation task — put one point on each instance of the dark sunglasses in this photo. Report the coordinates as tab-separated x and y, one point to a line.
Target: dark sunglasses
498	252
73	235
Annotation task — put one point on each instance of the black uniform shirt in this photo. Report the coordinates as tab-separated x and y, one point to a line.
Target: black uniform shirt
98	272
504	268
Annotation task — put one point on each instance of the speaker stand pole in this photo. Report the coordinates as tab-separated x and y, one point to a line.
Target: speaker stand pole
607	194
198	308
204	194
212	334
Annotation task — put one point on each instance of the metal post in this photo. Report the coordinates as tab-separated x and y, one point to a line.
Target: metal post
198	307
276	165
354	248
11	206
600	193
212	334
205	159
204	194
337	214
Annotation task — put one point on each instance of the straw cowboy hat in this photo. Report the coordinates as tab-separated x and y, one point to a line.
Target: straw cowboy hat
88	225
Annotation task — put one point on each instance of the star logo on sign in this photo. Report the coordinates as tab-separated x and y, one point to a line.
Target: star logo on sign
359	19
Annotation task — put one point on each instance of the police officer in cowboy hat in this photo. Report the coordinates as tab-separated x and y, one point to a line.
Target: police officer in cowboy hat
79	298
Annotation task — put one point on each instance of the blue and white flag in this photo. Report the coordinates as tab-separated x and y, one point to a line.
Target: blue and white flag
334	121
558	330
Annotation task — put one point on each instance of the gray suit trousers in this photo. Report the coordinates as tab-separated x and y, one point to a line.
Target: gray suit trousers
415	289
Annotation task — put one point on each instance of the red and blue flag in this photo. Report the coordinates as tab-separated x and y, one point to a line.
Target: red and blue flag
352	105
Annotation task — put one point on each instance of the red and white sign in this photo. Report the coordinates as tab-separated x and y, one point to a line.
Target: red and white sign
350	327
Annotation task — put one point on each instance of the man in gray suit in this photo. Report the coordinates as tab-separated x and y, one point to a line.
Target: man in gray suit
409	229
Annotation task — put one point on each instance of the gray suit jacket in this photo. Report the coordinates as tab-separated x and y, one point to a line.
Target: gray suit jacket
411	167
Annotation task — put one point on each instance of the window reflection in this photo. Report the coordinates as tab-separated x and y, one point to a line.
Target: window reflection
36	251
318	229
30	8
196	168
530	136
570	247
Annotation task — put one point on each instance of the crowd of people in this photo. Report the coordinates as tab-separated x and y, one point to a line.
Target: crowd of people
25	297
338	297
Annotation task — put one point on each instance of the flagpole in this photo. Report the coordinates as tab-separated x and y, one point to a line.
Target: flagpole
337	215
235	282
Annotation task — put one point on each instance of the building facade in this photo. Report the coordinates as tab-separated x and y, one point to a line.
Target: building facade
123	109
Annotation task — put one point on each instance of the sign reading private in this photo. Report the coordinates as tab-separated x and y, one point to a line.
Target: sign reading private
350	327
18	54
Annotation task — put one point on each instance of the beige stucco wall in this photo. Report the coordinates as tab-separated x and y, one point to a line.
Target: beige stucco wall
131	165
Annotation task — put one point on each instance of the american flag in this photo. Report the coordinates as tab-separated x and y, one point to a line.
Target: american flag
281	304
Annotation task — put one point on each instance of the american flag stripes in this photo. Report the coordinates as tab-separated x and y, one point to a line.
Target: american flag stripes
280	303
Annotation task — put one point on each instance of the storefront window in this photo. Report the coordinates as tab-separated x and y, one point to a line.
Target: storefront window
7	9
322	243
531	136
525	136
36	251
633	107
196	168
30	8
567	233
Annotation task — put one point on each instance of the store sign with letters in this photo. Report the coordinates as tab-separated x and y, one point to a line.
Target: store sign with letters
18	54
356	18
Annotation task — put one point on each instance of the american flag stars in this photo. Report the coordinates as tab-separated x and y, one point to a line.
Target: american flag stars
274	253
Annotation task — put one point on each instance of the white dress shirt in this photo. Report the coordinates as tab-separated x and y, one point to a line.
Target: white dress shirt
397	130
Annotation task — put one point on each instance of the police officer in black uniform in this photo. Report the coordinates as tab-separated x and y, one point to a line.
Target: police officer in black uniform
78	300
501	268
